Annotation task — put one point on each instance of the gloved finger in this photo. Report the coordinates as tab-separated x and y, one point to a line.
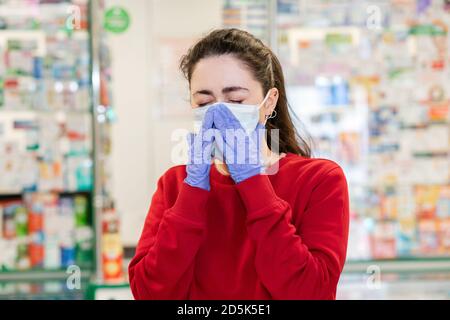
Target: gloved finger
200	148
207	135
225	119
196	146
219	138
208	120
207	152
220	144
190	138
228	146
260	126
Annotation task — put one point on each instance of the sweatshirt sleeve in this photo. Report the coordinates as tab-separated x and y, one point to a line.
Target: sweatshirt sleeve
301	261
163	265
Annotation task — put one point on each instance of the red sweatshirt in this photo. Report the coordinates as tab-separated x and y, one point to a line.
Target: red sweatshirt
281	236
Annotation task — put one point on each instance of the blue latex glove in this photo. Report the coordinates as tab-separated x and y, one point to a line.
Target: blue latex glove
240	149
200	147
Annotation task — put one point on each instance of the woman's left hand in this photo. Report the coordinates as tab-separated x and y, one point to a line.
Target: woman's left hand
240	150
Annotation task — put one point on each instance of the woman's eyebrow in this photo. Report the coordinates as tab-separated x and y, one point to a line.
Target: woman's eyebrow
224	90
208	92
234	88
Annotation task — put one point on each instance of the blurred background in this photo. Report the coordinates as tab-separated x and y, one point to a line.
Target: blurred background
91	95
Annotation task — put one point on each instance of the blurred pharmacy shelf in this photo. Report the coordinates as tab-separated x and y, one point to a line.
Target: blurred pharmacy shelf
56	210
39	275
374	95
394	286
60	113
406	265
50	289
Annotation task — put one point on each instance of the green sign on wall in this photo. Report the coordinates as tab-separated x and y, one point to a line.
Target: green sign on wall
117	20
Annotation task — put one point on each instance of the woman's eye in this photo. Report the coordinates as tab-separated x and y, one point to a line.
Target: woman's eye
236	101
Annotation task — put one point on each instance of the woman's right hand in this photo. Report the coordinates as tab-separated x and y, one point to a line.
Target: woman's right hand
200	147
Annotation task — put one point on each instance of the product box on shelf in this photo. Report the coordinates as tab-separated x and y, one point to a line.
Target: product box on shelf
9	221
67	231
383	239
36	232
20	56
359	239
444	236
45	153
428	237
432	201
406	238
112	250
84	237
46	231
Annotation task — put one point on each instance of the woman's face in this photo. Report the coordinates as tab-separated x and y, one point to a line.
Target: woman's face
225	78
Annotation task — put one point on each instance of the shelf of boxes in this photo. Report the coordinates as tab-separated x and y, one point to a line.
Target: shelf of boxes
46	167
46	231
375	97
56	210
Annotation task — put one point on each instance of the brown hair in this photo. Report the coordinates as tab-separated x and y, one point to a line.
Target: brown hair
265	68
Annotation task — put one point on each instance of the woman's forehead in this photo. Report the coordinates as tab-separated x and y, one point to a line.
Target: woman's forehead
219	72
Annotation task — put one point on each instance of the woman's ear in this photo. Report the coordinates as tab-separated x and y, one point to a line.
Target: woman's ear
271	101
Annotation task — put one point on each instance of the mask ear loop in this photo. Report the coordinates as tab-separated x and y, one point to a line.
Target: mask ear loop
274	112
265	99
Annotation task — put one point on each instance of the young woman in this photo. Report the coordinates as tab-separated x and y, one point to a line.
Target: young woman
221	230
